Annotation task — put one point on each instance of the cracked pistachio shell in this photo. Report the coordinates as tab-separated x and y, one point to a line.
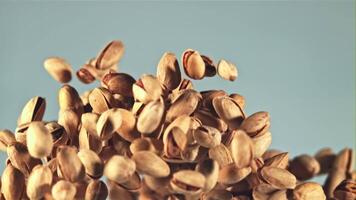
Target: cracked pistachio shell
218	194
263	191
334	178
344	160
119	169
207	136
20	158
108	123
174	141
308	191
63	190
229	111
119	83
231	174
187	182
304	167
168	72
325	157
69	164
59	135
151	117
147	88
185	104
256	124
92	163
59	69
86	74
156	184
210	169
128	130
133	184
210	68
221	154
346	190
89	141
256	164
69	99
12	183
261	143
239	99
227	70
70	121
39	182
96	190
279	160
32	111
121	146
209	119
110	55
193	64
270	153
142	144
278	178
39	140
89	121
241	148
149	163
6	138
208	96
101	100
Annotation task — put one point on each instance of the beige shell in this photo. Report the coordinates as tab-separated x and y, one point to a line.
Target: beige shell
187	182
151	164
308	191
256	124
193	64
108	123
63	190
119	169
151	117
229	111
39	140
32	111
39	182
92	163
110	55
69	164
12	183
241	148
227	70
59	69
168	72
278	178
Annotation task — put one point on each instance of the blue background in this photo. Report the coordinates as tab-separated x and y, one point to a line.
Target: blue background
295	59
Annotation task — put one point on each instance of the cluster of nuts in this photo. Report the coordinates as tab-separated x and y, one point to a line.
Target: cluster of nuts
156	138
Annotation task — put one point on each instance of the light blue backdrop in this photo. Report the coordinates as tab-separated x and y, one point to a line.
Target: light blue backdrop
295	59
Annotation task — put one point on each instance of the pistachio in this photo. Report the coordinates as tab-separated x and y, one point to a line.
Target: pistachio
185	104
6	138
96	190
59	135
210	169
39	140
239	99
308	191
208	96
119	83
261	143
89	141
346	190
304	167
325	157
39	182
33	111
89	121
279	195
63	190
210	68
279	160
175	141
101	100
142	144
150	164
85	74
70	121
241	149
207	136
187	182
221	154
93	165
231	173
256	124
193	64
151	117
69	99
218	194
229	111
133	184
69	164
110	55
227	70
208	119
59	69
168	72
117	192
119	169
184	85
108	123
146	89
278	178
270	153
12	183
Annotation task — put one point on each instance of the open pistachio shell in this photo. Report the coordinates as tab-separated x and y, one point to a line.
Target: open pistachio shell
108	123
168	72
101	100
227	70
59	69
119	169
185	104
147	88
151	117
193	64
229	111
241	148
256	124
96	190
149	163
12	183
128	129
93	165
187	182
6	138
69	164
39	182
278	178
110	55
32	111
119	83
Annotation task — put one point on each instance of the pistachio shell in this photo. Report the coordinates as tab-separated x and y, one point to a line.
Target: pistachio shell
278	178
229	111
101	100
308	191
85	75
261	143
89	141
110	55
187	182
231	174
39	140
151	117
89	121
210	169
6	138
59	135
128	130
218	194
221	154
207	136
239	99
39	182
256	124
119	169
325	157
96	190
345	190
210	68
146	89
193	64
241	149
12	183
93	165
63	190
108	123
69	99
208	119
150	164
304	167
69	164
227	70
175	141
70	121
133	184
59	69
119	83
142	144
185	104
32	111
279	160
168	72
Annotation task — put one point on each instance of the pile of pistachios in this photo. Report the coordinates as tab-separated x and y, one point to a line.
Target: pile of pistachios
156	138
